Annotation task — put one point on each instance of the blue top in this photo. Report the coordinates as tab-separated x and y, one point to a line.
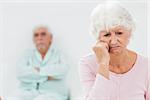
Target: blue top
53	65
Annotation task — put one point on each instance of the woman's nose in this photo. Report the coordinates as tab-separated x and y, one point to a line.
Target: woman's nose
113	39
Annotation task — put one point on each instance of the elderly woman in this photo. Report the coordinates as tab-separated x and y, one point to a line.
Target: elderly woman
112	71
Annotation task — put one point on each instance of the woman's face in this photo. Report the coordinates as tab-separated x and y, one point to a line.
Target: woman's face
117	39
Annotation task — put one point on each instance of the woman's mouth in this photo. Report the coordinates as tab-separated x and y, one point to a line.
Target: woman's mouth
114	47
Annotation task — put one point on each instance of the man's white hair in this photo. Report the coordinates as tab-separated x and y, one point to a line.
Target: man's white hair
43	27
109	15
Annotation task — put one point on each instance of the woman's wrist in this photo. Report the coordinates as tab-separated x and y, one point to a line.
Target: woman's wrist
104	70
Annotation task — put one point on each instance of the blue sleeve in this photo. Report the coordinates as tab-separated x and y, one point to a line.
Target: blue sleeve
56	70
26	71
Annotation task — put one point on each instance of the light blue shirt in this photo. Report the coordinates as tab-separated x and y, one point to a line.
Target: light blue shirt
54	65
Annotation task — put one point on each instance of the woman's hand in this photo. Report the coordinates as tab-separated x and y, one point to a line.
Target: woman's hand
101	51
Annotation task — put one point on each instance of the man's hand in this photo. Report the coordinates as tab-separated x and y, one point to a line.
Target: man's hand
50	78
101	51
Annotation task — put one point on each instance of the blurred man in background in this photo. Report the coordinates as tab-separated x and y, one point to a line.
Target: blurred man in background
42	71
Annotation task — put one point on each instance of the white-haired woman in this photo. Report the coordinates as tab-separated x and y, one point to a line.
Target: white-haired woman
112	71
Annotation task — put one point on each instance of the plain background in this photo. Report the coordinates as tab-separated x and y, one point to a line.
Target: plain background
69	22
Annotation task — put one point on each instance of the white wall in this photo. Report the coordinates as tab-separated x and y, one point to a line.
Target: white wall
1	50
69	23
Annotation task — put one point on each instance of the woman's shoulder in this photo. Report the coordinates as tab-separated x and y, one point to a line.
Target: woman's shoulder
88	63
89	60
90	57
144	62
143	59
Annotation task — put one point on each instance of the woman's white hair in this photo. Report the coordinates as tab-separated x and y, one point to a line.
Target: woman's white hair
109	15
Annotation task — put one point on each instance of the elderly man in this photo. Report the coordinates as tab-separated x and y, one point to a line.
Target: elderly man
42	71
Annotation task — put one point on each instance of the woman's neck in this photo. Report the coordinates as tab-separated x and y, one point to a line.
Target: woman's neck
123	62
120	59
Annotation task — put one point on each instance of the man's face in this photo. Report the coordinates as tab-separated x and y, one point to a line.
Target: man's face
42	39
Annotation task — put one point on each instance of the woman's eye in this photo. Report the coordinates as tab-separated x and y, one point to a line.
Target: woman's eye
106	35
119	33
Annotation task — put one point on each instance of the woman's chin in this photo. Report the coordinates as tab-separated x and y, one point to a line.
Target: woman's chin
115	51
